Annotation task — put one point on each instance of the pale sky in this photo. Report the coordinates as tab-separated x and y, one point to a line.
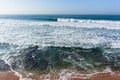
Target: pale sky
59	6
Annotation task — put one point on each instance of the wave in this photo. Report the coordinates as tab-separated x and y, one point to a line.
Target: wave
72	20
61	22
45	60
84	20
53	57
6	48
83	34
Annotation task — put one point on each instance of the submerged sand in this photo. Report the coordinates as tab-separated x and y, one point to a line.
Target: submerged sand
8	76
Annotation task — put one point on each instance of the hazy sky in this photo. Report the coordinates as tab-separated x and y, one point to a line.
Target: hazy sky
59	6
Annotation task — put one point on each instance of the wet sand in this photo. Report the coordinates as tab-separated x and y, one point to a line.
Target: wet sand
8	76
102	76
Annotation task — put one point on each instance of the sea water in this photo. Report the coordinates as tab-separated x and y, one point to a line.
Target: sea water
44	43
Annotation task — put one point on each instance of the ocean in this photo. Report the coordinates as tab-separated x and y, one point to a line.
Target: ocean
62	44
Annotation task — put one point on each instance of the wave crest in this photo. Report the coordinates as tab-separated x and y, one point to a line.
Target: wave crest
84	21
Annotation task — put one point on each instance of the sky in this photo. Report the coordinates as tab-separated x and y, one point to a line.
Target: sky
59	6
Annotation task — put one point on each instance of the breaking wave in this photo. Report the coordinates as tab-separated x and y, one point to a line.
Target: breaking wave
84	20
83	34
49	58
62	60
61	22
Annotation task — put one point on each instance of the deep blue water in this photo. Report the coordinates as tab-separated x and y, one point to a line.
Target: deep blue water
55	17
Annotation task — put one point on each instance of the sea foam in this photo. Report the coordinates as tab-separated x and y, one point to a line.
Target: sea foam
64	32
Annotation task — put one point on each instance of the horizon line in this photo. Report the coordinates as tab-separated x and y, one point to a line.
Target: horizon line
59	14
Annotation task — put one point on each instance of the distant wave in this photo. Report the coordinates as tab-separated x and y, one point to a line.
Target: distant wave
62	22
68	20
84	20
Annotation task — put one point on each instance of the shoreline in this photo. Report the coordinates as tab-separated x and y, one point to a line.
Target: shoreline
9	75
102	76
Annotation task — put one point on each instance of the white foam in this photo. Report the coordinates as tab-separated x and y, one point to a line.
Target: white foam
62	33
66	74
